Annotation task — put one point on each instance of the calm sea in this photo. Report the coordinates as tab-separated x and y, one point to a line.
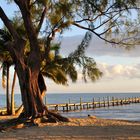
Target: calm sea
125	112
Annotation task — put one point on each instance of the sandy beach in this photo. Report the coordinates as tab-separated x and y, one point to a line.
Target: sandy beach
90	128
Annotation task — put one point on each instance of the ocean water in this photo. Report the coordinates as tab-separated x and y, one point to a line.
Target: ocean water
125	112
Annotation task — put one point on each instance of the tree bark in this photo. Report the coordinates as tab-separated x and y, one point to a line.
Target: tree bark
31	95
12	95
7	91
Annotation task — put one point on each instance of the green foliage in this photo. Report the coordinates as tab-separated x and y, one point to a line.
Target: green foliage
4	36
124	3
90	70
5	57
4	53
88	65
43	2
18	24
55	46
107	17
58	69
54	71
61	14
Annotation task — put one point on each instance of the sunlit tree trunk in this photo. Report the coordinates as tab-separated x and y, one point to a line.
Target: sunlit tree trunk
31	95
28	81
12	95
7	91
28	69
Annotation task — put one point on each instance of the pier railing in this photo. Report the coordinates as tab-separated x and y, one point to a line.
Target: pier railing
104	102
98	103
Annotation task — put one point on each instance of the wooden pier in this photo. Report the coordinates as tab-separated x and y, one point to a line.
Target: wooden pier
104	102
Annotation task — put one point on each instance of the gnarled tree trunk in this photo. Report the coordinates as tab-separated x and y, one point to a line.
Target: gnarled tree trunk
30	91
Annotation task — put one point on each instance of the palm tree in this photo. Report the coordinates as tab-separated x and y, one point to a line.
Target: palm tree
59	69
6	61
5	37
12	95
5	80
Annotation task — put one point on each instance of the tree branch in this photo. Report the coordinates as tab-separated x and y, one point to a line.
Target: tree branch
41	19
33	3
102	33
82	20
105	21
8	24
121	10
106	40
31	32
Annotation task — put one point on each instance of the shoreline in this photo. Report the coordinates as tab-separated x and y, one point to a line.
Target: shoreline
89	128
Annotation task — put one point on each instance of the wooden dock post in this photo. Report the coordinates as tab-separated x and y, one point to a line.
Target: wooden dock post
138	99
63	109
125	101
121	101
99	101
129	100
80	103
93	104
108	100
113	101
104	101
117	101
67	107
83	106
132	99
135	100
87	105
74	107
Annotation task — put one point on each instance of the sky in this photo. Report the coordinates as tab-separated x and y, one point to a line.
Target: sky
120	67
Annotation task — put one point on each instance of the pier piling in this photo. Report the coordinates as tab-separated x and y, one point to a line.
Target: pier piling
106	101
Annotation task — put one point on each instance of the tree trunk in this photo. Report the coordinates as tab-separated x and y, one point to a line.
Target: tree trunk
12	95
7	91
28	67
30	91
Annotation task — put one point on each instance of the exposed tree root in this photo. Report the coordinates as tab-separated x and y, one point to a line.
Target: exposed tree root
23	121
57	116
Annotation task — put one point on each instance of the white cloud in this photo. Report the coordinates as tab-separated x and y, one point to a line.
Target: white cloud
120	71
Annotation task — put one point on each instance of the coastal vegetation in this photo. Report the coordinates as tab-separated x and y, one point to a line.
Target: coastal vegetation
34	54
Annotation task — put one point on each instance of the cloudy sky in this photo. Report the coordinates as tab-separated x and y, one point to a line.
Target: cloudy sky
121	67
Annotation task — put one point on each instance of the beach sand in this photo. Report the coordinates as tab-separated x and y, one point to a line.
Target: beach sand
90	128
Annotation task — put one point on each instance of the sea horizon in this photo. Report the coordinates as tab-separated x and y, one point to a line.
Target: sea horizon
124	112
